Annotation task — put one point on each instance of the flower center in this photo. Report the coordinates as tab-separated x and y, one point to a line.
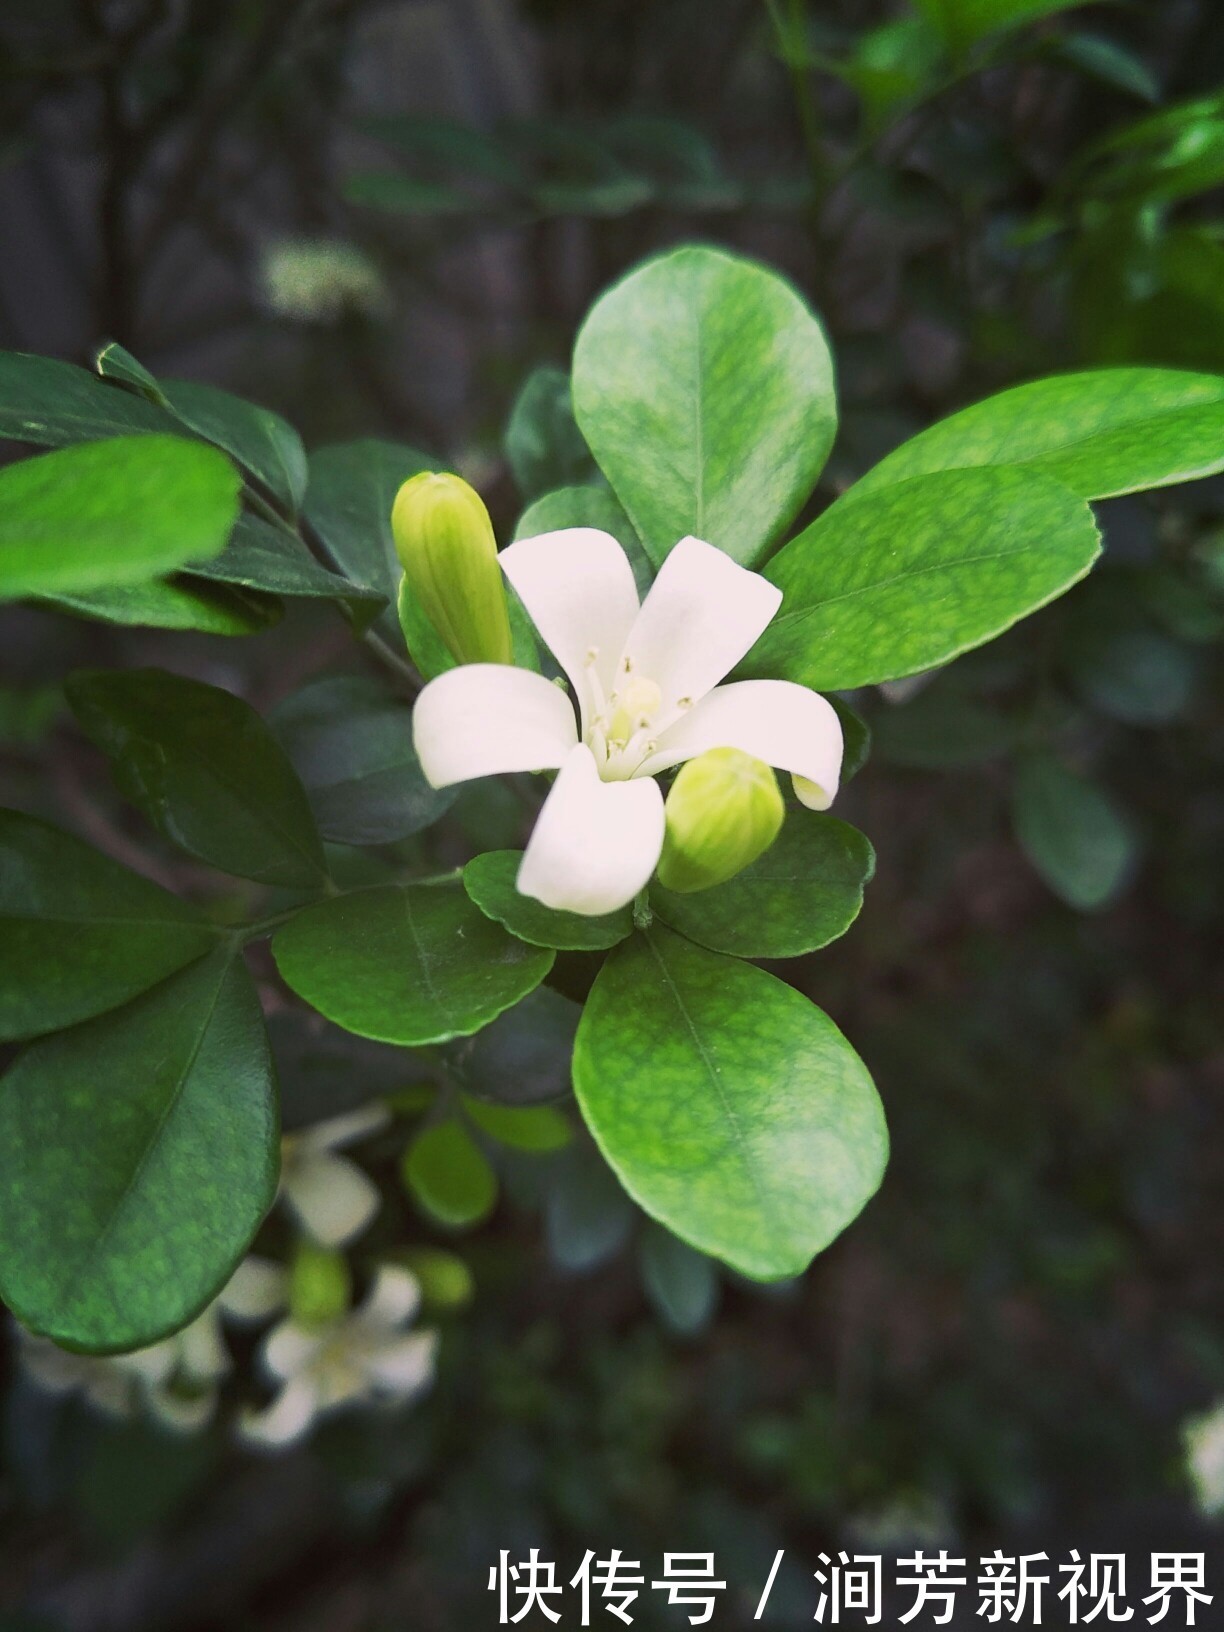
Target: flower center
622	732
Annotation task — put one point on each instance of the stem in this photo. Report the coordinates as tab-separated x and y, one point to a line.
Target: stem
642	915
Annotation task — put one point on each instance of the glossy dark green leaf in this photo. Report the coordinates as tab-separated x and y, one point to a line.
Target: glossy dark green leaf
856	738
907	577
588	507
805	891
325	1072
1075	836
449	1175
1101	433
588	1216
179	602
681	1283
53	404
140	1156
411	964
704	387
350	741
274	561
523	1057
113	512
351	490
732	1109
490	881
79	934
205	770
544	447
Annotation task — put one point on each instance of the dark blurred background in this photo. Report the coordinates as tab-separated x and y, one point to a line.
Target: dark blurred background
381	219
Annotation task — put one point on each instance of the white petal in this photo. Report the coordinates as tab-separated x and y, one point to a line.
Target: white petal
338	1131
578	587
286	1419
392	1300
152	1365
486	719
203	1356
289	1349
595	844
784	724
701	615
256	1289
331	1197
405	1366
184	1413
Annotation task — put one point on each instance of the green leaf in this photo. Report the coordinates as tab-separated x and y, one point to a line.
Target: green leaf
906	578
805	891
704	387
140	1156
351	744
490	881
544	446
682	1284
449	1175
538	1128
1101	433
79	934
1110	63
523	1057
588	1216
963	23
273	561
588	507
1075	836
856	739
942	728
111	512
180	602
411	964
731	1108
1131	671
205	770
52	404
351	490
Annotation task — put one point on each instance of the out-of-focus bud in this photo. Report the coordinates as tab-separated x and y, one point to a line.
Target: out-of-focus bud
444	539
319	1285
723	811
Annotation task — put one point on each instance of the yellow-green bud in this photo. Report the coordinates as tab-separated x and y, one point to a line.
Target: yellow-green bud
319	1285
724	809
444	539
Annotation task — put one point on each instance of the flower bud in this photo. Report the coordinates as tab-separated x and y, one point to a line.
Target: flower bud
444	539
319	1285
723	811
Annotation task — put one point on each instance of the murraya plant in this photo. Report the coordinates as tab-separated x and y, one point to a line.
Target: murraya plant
622	682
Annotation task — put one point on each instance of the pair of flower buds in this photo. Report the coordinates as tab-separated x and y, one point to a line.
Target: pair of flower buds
723	807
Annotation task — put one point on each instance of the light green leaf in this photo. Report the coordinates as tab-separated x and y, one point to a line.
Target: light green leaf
704	387
449	1175
53	404
79	934
205	770
906	578
682	1284
1075	836
273	561
731	1108
588	507
490	881
111	512
411	964
351	490
805	891
140	1156
1101	433
179	602
538	1128
544	446
351	744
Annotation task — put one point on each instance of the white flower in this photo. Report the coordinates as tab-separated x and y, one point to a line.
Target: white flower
646	682
177	1380
331	1197
366	1356
1203	1438
318	280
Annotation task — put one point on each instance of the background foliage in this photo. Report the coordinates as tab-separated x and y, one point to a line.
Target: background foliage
385	221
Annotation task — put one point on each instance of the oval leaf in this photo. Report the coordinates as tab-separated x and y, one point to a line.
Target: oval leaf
732	1109
411	964
53	404
910	576
180	602
805	891
449	1175
348	500
140	1156
274	561
1074	835
205	770
490	881
704	387
79	934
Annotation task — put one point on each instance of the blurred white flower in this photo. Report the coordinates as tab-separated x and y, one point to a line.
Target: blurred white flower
330	1196
175	1381
318	280
1203	1439
364	1357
